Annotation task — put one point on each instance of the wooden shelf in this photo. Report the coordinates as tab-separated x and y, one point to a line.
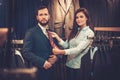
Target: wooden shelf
107	29
3	30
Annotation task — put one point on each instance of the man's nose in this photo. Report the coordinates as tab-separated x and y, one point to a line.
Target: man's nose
43	16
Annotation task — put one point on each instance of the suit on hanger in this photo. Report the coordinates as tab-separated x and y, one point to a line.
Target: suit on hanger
62	13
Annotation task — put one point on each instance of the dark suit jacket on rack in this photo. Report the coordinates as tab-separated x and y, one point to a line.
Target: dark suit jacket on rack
37	50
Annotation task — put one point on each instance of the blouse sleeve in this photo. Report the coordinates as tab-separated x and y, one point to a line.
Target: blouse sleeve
83	44
64	44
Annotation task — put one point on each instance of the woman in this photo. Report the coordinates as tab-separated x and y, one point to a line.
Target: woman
77	44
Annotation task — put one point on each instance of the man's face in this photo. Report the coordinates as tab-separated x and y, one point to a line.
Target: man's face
43	16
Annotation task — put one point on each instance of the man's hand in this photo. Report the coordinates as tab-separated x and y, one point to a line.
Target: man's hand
47	65
52	59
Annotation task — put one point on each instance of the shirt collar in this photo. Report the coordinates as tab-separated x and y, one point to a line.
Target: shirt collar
85	28
43	28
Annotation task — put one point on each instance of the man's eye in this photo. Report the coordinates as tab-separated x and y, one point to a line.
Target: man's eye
40	14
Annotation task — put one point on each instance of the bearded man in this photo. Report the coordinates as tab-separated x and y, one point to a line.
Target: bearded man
37	48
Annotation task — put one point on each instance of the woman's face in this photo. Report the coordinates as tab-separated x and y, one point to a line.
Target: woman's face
81	19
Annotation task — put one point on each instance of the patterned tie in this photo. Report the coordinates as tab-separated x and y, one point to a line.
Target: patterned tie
51	39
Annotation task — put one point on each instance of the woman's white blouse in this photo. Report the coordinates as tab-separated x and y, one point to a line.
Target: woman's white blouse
77	47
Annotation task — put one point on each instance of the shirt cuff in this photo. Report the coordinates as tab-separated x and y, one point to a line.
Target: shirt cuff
44	63
67	51
61	42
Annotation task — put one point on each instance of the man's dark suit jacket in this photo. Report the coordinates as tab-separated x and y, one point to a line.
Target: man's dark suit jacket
37	49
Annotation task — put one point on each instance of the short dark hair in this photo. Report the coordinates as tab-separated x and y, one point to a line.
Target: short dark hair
42	7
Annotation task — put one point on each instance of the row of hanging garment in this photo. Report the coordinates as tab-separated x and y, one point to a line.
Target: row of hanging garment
105	59
102	60
16	59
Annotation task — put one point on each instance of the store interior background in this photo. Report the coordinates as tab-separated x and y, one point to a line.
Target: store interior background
20	15
104	13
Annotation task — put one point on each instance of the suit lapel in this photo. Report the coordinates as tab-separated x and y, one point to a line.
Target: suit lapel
43	36
40	30
68	4
62	4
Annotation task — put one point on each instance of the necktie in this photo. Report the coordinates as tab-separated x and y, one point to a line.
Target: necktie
52	42
51	39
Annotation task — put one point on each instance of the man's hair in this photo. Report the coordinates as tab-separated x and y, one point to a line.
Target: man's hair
40	8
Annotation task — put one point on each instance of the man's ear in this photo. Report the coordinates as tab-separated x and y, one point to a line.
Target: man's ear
36	17
49	16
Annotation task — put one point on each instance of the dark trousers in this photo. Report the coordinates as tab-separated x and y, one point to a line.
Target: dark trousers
43	74
73	74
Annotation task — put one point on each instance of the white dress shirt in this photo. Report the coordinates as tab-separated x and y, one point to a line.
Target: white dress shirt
44	30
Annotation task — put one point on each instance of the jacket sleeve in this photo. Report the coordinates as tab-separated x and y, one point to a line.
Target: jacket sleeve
28	53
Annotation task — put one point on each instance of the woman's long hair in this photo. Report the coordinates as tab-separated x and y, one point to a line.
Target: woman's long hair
75	26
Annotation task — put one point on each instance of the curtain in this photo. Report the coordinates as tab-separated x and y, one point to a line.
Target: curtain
3	13
103	12
24	15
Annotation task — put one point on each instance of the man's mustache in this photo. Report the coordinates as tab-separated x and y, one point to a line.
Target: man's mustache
43	20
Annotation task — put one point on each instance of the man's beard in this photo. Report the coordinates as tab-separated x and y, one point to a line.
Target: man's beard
43	24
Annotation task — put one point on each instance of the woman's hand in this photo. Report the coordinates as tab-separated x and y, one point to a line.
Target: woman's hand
57	51
55	35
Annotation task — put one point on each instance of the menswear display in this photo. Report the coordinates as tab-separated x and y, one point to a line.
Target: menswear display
62	15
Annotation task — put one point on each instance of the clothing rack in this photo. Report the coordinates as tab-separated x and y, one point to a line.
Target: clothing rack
107	36
103	42
105	39
3	29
